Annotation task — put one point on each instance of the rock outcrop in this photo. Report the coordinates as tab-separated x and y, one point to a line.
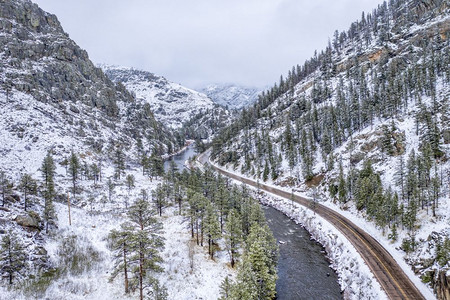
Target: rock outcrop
52	67
30	220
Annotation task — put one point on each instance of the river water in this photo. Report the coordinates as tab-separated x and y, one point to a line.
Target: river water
303	269
179	159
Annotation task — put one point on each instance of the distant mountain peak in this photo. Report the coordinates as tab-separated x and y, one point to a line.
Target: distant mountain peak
231	95
172	103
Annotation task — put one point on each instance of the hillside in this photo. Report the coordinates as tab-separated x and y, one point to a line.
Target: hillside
231	96
363	126
171	103
40	60
70	137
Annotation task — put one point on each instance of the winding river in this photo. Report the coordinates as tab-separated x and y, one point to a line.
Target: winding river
303	269
180	158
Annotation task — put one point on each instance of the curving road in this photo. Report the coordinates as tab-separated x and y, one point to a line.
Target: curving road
391	277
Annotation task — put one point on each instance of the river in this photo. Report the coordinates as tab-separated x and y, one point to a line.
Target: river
303	269
179	159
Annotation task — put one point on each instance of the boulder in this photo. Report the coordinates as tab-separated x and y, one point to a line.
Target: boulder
446	136
74	109
30	220
357	157
441	284
40	251
15	197
10	199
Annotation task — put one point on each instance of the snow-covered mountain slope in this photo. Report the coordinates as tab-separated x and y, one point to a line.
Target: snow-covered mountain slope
171	103
54	100
376	102
43	72
231	96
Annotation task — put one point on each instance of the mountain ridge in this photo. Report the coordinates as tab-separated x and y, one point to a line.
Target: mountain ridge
231	95
357	123
172	104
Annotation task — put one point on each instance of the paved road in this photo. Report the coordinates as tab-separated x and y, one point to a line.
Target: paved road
391	277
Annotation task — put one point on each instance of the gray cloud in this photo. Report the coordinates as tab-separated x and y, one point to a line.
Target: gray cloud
249	42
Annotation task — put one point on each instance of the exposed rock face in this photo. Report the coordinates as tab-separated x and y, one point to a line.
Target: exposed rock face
443	285
47	76
30	220
53	67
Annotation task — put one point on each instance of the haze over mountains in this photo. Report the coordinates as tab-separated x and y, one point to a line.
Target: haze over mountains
171	103
231	96
363	126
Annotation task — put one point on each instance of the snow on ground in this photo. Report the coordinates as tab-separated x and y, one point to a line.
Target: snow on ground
189	272
171	103
332	240
355	278
93	216
231	95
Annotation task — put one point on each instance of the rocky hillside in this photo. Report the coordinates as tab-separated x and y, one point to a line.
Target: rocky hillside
40	60
171	103
46	77
55	103
231	96
364	124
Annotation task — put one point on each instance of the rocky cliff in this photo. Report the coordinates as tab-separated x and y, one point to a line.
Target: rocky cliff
39	60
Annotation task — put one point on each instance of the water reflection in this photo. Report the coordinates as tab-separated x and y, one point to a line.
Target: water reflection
181	158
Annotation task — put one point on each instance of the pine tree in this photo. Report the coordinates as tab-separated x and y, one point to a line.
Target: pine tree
13	256
178	195
400	176
222	202
120	242
266	171
48	173
197	204
110	185
233	235
158	291
394	235
435	191
130	182
212	228
48	168
257	276
226	289
342	190
119	162
145	243
159	198
411	176
95	172
443	252
145	163
156	165
28	186
4	186
74	170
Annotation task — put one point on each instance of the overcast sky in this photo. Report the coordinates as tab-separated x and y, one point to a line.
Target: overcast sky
197	42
